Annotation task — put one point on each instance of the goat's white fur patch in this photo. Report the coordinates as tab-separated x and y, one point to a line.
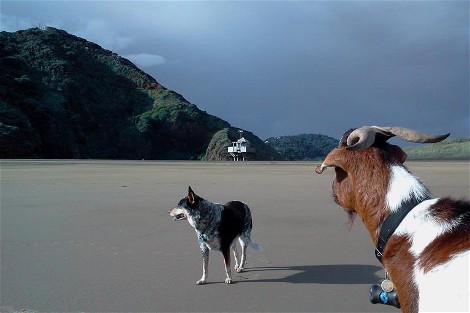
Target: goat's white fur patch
402	187
422	229
433	286
449	281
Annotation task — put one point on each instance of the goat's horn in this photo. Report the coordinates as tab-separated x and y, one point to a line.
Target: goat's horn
361	138
364	137
414	136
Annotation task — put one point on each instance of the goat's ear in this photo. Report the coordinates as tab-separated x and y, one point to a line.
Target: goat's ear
396	153
191	195
333	159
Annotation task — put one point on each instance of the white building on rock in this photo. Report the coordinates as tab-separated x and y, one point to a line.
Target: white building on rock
241	149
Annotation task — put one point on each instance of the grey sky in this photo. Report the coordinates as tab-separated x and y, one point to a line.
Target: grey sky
287	67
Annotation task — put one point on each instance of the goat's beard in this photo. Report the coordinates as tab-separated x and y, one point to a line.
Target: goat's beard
351	217
351	214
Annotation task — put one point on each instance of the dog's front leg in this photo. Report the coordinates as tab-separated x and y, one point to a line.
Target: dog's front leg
205	264
228	270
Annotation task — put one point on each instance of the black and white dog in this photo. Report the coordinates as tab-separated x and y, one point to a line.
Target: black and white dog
217	227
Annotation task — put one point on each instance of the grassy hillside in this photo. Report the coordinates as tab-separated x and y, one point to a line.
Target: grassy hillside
457	149
62	96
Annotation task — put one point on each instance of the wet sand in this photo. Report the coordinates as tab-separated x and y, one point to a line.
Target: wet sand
95	236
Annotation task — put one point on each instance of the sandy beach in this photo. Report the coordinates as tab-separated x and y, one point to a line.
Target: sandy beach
95	236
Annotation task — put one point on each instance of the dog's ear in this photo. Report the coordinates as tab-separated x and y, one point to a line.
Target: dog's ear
191	196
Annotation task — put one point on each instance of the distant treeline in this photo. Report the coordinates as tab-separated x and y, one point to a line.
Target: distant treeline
303	147
316	146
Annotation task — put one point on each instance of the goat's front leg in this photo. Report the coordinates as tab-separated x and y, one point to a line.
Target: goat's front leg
205	264
228	270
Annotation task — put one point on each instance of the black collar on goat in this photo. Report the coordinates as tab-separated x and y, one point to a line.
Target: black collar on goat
391	223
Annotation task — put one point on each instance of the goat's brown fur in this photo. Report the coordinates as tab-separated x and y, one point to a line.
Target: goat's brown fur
444	247
399	261
359	189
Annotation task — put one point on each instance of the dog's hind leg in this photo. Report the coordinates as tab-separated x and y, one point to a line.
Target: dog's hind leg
243	245
228	270
236	255
205	264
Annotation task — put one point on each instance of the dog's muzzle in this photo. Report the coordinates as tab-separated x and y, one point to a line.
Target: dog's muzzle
181	216
177	214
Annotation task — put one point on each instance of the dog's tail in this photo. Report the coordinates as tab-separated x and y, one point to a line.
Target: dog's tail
253	245
247	233
245	239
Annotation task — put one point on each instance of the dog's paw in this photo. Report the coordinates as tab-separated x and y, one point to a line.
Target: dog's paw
228	280
201	282
239	269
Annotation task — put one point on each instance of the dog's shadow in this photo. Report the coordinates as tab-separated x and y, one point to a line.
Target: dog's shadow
320	274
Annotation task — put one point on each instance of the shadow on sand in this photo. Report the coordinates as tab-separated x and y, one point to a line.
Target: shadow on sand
322	274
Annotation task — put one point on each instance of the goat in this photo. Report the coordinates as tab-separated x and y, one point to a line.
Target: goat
426	252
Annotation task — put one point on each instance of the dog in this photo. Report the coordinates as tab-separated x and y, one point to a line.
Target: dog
217	227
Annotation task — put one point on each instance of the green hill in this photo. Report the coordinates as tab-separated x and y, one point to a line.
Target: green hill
302	147
62	96
457	149
217	149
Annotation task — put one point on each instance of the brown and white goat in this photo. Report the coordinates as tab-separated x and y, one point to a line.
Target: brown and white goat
427	254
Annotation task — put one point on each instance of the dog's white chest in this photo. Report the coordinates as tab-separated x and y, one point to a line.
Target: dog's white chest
212	241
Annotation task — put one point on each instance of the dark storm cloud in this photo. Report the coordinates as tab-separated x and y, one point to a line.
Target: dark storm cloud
279	68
